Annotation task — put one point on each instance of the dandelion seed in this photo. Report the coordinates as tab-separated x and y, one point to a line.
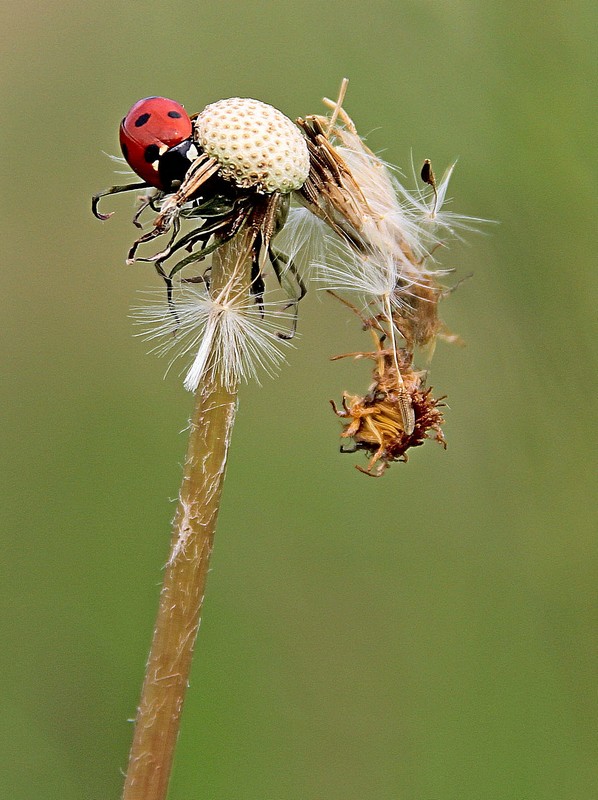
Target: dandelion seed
427	208
225	332
385	235
303	238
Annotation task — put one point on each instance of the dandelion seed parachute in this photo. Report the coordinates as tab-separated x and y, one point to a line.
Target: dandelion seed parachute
304	238
227	333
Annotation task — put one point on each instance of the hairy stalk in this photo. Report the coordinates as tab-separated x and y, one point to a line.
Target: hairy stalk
181	599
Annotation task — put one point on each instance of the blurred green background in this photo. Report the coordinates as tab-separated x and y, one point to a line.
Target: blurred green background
427	636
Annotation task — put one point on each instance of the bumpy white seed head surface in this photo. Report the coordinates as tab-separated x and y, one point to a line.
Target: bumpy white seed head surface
256	145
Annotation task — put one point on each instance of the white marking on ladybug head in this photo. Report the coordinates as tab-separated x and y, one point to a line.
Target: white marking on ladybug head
192	152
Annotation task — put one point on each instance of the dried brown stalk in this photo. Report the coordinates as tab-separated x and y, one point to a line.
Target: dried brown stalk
181	599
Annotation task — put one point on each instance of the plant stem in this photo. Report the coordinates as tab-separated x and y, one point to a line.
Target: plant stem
181	599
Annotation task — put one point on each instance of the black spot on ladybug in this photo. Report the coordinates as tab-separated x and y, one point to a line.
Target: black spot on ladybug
174	114
125	149
141	120
152	152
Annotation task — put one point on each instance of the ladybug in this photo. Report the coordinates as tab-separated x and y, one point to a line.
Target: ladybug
159	143
153	127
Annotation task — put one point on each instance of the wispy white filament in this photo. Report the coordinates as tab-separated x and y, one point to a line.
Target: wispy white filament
434	221
401	230
303	238
121	162
200	362
225	333
371	276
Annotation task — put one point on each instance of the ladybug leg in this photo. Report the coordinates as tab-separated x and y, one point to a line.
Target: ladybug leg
147	202
148	237
281	263
131	187
188	241
198	173
160	257
169	295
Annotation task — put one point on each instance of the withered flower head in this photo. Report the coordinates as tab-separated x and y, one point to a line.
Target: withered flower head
376	420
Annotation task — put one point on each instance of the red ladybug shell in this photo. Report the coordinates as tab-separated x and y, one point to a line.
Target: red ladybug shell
153	125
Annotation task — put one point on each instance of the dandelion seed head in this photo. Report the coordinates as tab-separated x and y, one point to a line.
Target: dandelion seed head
255	144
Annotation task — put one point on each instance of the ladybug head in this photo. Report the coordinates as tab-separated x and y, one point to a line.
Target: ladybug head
153	127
